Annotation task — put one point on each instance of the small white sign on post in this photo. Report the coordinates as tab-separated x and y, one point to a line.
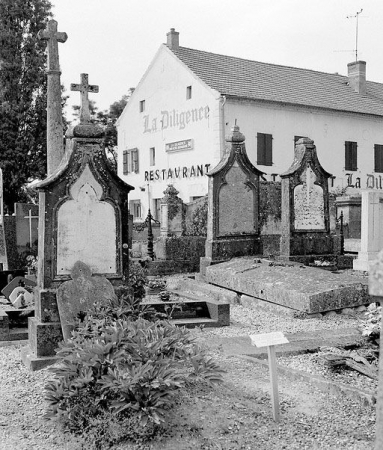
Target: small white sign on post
270	340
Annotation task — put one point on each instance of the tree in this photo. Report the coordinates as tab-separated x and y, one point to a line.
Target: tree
107	120
22	95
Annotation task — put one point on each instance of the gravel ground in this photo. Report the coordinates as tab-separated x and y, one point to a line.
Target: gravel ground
311	364
242	406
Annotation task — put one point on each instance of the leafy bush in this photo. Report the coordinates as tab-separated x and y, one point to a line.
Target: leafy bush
137	279
372	325
198	225
124	367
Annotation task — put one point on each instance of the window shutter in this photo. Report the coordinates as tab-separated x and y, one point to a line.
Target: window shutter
354	156
268	150
125	162
378	157
351	155
260	148
135	161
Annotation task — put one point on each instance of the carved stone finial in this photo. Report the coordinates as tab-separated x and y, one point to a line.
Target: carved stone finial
236	135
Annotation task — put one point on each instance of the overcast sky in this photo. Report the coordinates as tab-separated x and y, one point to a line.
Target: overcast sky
114	41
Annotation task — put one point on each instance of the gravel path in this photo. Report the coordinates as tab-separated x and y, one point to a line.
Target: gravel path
311	419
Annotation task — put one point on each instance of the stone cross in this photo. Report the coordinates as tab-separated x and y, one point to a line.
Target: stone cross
55	144
53	36
84	88
30	217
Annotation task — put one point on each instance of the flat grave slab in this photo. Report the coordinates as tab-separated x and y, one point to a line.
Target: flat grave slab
301	288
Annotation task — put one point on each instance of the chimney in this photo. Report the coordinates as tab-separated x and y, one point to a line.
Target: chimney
357	76
173	39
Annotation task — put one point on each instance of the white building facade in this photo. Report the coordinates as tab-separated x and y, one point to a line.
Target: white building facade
172	131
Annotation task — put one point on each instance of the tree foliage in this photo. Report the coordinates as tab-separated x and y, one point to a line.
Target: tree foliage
22	95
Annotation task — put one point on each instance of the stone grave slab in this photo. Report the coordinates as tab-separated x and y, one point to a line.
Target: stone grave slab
301	288
16	282
79	294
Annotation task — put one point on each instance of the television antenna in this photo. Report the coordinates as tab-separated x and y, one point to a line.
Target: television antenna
356	16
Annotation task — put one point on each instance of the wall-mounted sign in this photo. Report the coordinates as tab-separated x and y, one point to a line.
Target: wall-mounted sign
175	119
179	146
177	172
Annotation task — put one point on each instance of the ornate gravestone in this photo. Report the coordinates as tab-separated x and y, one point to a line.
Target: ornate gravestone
233	205
305	206
83	238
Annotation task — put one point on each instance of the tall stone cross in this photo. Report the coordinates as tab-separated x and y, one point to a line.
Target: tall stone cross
55	143
84	87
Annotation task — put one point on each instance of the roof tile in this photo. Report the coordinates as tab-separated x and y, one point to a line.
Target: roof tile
253	80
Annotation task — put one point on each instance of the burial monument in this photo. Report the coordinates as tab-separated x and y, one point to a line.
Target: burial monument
83	236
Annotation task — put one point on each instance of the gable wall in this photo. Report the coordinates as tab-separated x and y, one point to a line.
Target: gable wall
164	90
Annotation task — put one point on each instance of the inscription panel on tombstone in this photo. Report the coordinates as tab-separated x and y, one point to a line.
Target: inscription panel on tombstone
308	203
86	229
236	204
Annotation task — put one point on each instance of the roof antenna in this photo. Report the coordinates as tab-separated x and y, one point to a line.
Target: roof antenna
357	25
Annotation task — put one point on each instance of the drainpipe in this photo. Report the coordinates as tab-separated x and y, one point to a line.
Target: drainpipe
222	100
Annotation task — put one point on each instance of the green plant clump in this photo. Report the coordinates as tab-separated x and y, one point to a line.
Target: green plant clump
120	373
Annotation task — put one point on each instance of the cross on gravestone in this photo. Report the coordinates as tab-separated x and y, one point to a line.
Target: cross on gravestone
30	217
84	88
53	36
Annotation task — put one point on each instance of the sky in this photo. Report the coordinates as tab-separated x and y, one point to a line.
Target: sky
114	41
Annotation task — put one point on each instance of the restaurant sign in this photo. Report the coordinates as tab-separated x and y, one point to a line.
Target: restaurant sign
177	172
179	146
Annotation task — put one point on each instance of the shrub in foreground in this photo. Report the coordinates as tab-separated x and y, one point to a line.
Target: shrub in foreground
119	365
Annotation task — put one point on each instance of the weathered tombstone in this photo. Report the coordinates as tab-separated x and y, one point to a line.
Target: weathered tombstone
371	229
376	291
233	205
83	238
171	213
305	218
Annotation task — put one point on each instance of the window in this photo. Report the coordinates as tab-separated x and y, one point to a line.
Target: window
188	93
130	161
157	208
378	157
351	156
264	149
135	208
134	154
142	105
152	156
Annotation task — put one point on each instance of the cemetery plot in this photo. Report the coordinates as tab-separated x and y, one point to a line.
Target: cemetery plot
301	288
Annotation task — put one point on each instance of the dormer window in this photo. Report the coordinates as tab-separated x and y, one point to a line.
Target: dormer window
188	93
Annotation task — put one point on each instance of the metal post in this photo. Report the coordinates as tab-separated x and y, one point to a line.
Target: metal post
150	235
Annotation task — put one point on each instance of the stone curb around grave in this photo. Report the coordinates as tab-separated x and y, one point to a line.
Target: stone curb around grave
363	396
9	343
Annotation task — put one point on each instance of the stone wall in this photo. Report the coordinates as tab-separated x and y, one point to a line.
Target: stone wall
183	248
